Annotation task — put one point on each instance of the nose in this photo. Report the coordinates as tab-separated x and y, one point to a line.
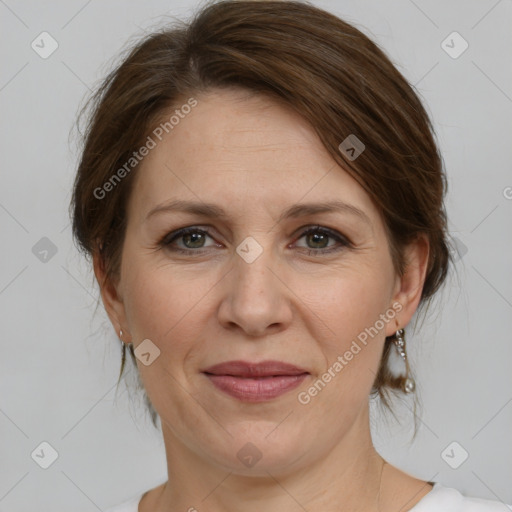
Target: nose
255	297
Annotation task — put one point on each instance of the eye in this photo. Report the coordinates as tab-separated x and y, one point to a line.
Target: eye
193	238
319	237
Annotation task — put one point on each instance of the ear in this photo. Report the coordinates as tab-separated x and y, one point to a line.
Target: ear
408	287
111	299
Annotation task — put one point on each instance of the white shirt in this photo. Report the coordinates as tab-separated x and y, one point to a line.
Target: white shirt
439	499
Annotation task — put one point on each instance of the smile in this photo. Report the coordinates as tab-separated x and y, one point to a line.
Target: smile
256	389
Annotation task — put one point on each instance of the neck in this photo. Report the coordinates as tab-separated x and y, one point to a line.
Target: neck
346	477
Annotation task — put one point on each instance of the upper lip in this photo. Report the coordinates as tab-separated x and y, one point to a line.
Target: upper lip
248	369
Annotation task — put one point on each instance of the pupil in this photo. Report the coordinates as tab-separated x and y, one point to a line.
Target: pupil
195	237
316	236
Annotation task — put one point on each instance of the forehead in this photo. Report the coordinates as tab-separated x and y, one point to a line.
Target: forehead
244	151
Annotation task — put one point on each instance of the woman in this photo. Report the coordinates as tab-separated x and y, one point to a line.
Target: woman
262	198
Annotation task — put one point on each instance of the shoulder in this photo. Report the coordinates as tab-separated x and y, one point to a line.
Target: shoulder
131	505
447	499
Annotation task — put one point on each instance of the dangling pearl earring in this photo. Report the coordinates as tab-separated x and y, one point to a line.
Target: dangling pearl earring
399	341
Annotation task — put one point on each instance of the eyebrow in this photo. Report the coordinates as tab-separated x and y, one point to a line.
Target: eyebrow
298	210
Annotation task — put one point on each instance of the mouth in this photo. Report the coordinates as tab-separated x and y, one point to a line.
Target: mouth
255	382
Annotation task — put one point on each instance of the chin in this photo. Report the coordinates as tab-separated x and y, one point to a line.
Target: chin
253	453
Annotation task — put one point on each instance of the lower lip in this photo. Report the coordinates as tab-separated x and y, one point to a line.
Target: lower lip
256	389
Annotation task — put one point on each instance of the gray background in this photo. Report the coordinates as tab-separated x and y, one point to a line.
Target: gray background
60	363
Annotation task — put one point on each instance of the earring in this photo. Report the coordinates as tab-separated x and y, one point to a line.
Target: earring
399	342
126	344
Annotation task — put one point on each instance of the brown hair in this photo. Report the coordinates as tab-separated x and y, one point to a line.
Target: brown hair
325	69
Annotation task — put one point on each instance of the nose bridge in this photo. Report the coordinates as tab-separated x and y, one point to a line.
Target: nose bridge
254	299
253	263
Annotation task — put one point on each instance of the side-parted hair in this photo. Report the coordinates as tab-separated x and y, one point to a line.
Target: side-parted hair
323	68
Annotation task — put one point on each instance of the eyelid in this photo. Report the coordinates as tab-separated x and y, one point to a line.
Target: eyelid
304	230
178	233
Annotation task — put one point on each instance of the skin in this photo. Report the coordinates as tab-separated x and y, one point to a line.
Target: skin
254	158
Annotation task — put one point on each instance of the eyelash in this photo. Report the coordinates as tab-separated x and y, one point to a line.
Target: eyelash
171	237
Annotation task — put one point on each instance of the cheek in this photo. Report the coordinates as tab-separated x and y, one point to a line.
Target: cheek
349	308
347	304
161	303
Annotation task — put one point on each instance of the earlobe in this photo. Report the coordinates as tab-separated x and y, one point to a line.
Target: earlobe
410	285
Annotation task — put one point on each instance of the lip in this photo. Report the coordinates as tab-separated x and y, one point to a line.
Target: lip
247	369
255	382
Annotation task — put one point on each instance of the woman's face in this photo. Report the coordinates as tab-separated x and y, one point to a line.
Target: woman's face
257	286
